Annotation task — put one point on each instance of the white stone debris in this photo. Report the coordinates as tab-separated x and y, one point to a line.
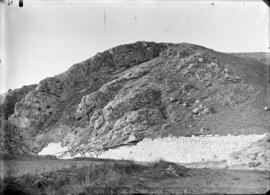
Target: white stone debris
174	149
53	149
266	108
183	149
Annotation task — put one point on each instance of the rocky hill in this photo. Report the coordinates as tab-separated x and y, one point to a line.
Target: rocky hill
139	90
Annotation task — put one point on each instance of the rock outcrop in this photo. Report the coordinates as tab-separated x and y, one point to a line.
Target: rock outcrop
255	156
11	141
140	90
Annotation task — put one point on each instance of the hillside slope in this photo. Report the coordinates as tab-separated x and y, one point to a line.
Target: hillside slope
144	89
263	57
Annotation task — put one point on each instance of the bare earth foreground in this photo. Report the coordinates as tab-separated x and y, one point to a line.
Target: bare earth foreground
245	171
125	177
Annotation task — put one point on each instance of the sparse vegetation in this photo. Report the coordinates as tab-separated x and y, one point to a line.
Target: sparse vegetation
105	178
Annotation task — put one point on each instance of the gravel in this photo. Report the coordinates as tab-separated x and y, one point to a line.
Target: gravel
183	149
173	149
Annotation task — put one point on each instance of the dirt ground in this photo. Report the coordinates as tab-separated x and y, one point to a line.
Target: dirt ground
217	181
245	171
193	181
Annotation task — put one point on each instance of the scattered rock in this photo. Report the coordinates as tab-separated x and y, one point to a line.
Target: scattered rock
202	129
172	99
267	108
196	110
197	101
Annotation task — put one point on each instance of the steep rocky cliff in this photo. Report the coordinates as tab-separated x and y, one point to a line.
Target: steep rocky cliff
11	142
144	89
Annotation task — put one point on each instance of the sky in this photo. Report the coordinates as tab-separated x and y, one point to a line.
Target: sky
45	38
